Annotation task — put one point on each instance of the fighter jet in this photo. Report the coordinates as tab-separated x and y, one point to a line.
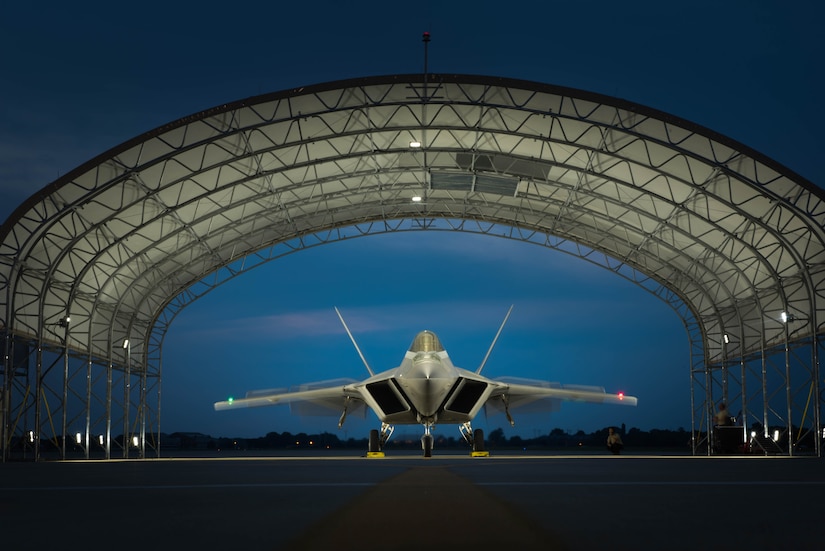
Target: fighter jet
426	389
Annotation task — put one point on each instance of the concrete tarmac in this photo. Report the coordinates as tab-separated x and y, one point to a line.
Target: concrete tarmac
559	502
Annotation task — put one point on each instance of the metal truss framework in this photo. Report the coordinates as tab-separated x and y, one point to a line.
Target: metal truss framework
112	251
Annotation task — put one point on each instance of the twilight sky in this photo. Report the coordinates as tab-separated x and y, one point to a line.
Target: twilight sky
81	78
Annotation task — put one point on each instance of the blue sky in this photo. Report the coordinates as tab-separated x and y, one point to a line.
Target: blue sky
79	79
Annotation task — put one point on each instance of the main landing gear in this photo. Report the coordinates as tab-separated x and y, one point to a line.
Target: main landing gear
475	438
378	439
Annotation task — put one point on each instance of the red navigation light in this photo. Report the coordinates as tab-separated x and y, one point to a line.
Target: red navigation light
621	396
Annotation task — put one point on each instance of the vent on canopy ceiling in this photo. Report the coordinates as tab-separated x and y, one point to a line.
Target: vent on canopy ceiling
468	181
504	165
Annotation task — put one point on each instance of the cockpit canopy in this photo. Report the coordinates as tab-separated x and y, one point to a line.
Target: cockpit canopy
426	341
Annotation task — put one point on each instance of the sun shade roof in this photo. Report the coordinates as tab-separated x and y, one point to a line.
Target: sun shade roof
124	241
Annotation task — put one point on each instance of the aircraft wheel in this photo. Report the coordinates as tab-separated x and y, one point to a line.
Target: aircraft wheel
427	445
375	445
478	440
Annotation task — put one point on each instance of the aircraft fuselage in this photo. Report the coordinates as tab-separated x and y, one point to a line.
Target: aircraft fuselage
427	388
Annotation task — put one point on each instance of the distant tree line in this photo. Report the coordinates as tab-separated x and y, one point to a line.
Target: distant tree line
557	439
496	439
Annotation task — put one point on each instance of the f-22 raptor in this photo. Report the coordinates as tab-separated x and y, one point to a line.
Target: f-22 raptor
426	389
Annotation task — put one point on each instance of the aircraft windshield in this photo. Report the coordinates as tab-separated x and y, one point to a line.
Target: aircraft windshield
426	341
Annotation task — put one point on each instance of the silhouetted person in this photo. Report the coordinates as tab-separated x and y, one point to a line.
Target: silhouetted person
614	441
722	417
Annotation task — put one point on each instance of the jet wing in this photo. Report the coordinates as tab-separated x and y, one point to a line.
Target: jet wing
324	398
536	396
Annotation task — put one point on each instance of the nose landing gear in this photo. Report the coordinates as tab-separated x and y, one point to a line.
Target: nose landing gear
427	441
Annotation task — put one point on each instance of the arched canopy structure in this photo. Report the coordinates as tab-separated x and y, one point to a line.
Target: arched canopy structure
113	250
